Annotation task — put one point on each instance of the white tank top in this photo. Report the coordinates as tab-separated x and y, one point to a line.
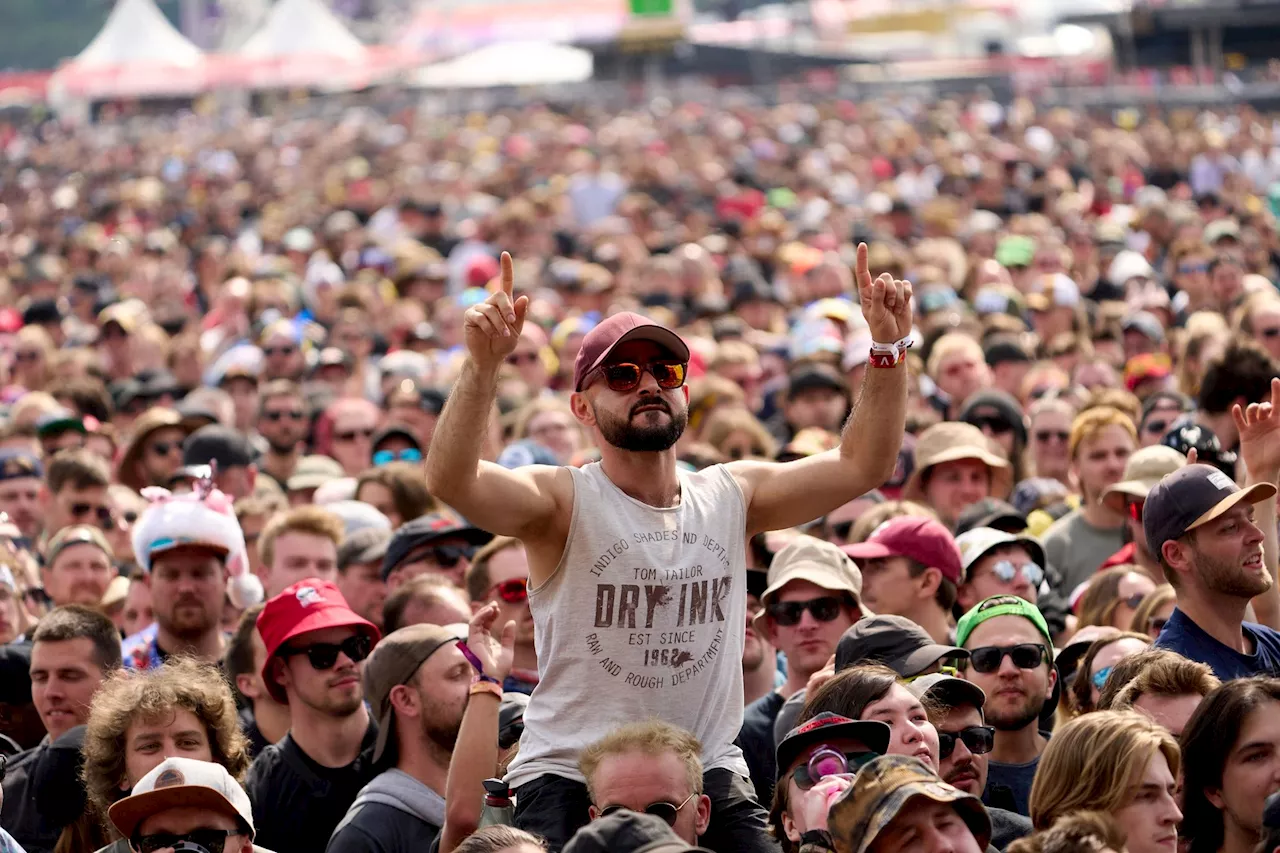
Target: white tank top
644	617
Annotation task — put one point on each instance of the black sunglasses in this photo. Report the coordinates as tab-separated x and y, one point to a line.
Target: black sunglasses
292	415
353	435
986	659
977	739
323	656
1044	435
269	351
995	423
667	811
841	529
210	840
449	555
164	448
1159	427
106	520
824	609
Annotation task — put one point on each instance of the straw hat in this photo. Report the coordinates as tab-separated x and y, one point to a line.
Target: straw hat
148	422
951	441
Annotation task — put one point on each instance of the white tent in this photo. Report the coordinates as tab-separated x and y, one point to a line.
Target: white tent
510	64
138	53
303	27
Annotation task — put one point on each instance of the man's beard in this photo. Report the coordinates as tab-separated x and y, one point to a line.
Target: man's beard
194	622
1018	718
752	653
1230	578
280	448
650	438
440	723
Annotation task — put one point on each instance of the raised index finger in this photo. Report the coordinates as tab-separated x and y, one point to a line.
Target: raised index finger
863	271
508	277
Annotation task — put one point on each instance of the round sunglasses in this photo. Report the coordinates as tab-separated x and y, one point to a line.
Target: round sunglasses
625	376
667	811
1007	571
513	591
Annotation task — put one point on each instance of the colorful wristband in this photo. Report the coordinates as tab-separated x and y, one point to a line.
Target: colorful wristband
486	686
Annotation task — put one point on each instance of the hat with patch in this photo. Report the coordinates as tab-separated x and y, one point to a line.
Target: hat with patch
1190	497
826	727
884	789
183	783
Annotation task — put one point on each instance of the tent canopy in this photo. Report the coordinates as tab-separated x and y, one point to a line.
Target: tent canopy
137	32
303	27
510	64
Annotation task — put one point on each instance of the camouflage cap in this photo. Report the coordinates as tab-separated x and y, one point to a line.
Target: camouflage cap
882	790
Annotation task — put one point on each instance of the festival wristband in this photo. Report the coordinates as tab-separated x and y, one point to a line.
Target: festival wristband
487	685
885	358
471	657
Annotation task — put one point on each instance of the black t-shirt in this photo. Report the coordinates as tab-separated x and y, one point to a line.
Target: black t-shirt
297	803
756	742
249	725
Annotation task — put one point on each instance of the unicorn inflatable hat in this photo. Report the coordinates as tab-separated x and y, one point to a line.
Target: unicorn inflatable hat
203	519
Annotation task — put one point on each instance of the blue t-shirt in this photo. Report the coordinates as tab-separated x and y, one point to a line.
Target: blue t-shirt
1188	639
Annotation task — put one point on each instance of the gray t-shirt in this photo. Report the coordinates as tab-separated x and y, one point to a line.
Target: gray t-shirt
1076	548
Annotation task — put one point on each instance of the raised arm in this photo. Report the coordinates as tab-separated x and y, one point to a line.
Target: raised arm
509	503
1259	427
784	494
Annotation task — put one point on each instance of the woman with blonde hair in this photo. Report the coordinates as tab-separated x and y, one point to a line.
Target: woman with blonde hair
738	434
1117	762
1154	611
550	422
32	352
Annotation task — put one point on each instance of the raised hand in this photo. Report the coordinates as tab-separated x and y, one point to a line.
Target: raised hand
492	328
1259	427
886	302
815	804
496	653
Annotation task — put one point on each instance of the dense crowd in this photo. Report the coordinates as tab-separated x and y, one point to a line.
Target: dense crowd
871	477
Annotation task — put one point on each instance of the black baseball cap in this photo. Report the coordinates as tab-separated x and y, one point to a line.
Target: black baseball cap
216	443
827	727
426	529
991	512
894	641
363	546
1006	352
1190	497
15	674
811	376
628	832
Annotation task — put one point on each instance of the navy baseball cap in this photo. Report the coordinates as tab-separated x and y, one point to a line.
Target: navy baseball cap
1190	497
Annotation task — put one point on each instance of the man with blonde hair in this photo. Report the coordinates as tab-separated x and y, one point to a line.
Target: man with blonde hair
301	543
1078	543
651	767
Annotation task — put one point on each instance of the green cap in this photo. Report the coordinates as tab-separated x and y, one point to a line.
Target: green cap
1002	605
1015	251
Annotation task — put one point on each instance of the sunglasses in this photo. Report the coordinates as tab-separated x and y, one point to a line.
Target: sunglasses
1269	333
1007	571
353	435
447	556
987	659
829	762
1100	677
667	811
26	356
164	448
323	656
211	840
824	609
1046	435
1133	601
626	376
977	739
409	454
270	351
1188	269
995	423
522	358
841	528
106	520
1156	624
514	591
292	414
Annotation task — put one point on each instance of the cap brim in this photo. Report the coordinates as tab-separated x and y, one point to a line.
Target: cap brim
1256	493
128	813
924	657
386	723
953	692
1114	497
203	547
817	575
867	551
659	335
873	734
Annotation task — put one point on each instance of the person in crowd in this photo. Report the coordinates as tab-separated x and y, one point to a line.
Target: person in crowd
1145	468
1117	762
636	421
419	684
440	543
73	651
1102	439
75	492
964	741
1011	659
499	574
396	490
427	599
360	572
315	651
1154	611
283	423
998	563
896	799
21	476
301	543
650	767
138	719
78	566
954	468
911	567
501	839
814	595
1096	666
760	674
252	514
154	452
1113	596
840	746
263	720
1231	764
352	423
1050	431
232	454
1168	688
186	804
20	722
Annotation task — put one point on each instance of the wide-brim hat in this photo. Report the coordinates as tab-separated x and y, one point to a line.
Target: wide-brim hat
952	441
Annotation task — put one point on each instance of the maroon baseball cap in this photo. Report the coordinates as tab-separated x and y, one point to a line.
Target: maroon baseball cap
914	537
619	329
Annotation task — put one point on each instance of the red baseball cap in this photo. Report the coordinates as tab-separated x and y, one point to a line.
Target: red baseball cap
914	537
308	605
619	329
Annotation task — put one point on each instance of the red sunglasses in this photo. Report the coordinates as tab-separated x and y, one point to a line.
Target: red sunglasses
624	377
513	591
